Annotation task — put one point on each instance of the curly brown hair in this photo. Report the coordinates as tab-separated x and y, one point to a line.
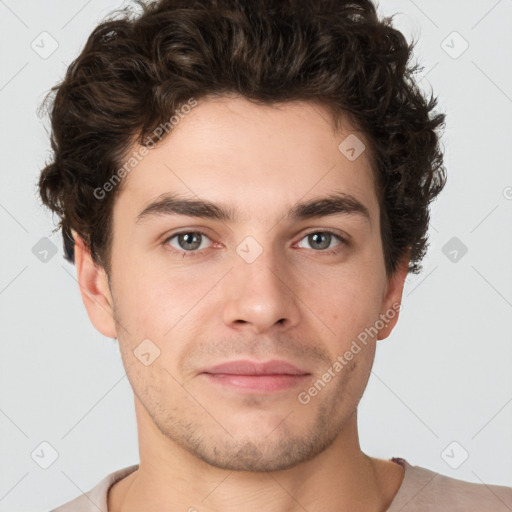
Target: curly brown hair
136	69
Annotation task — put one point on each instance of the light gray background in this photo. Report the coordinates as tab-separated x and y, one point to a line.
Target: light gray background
443	376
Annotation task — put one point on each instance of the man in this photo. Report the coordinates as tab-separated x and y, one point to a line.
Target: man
243	188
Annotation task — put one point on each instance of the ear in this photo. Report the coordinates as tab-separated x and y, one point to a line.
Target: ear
94	289
392	302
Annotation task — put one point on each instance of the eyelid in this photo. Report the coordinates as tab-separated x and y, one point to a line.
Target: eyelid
345	237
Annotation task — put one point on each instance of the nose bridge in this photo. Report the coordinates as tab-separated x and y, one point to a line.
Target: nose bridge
260	290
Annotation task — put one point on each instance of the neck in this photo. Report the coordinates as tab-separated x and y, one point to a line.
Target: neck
340	478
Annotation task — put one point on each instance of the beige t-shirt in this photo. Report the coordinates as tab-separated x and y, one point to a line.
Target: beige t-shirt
422	490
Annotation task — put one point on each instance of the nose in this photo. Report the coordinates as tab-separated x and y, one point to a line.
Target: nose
260	295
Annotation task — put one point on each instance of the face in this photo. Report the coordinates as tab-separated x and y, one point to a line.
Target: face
191	288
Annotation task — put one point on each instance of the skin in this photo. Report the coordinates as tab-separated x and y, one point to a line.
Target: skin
215	448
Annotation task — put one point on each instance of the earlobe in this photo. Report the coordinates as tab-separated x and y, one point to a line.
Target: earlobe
94	290
392	301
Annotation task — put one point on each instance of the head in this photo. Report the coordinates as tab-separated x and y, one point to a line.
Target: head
233	189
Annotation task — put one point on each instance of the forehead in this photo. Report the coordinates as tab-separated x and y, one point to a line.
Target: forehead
257	158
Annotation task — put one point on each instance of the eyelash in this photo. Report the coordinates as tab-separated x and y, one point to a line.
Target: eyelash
195	253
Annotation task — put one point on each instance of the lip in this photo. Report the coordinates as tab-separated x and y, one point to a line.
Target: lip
254	377
246	367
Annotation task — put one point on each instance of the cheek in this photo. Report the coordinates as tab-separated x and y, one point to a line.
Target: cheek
347	299
140	315
160	307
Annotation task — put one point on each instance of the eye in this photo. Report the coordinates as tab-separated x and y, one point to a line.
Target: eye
321	240
187	242
190	243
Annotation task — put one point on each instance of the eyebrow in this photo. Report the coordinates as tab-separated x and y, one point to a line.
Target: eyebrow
333	204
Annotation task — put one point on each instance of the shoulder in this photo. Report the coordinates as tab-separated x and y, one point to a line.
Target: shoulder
425	490
95	500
